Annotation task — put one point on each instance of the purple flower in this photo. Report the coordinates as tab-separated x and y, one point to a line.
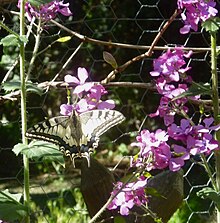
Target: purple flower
89	94
168	108
169	65
93	100
80	81
47	11
154	151
196	138
196	11
129	195
179	155
66	109
170	68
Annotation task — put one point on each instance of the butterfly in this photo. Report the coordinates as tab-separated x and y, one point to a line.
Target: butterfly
77	135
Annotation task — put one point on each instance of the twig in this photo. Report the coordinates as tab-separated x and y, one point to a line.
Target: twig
121	68
123	45
66	63
62	84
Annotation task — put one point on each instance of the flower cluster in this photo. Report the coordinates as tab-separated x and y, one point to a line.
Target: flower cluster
195	12
168	70
155	153
126	196
46	12
89	94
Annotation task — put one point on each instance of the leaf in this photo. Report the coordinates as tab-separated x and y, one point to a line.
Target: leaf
37	150
119	219
64	39
108	58
18	148
10	40
6	196
11	212
23	39
212	25
153	192
196	89
16	85
10	207
38	3
209	193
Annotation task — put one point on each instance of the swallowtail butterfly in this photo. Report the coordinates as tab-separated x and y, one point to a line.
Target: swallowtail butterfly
76	135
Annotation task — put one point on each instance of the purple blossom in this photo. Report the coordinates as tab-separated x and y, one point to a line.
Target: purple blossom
80	81
196	138
154	150
170	68
47	11
170	65
168	108
89	94
196	11
93	100
66	109
156	153
126	196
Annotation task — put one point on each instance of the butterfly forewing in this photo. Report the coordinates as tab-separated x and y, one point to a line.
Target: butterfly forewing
57	130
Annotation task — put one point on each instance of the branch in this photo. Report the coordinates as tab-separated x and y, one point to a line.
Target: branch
121	68
62	84
86	39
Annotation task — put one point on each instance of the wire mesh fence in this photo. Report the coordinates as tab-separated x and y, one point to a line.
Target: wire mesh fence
126	29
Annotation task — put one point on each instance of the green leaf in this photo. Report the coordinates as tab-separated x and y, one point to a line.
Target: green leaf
212	25
37	150
6	196
18	148
196	89
38	3
10	40
23	39
10	207
153	192
108	58
209	193
11	212
16	85
64	39
119	219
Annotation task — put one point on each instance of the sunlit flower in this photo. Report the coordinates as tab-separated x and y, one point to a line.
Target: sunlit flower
195	12
47	11
130	194
81	83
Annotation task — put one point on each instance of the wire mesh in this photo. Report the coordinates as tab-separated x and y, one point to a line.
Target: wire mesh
134	22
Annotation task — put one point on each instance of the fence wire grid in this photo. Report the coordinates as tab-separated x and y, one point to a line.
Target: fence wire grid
135	22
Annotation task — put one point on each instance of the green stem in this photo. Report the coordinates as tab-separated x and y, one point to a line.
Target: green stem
23	109
215	99
8	29
35	51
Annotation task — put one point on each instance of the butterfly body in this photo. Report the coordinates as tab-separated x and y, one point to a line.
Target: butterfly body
77	135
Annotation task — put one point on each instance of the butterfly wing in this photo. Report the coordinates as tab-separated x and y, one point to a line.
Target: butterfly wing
77	135
58	130
95	123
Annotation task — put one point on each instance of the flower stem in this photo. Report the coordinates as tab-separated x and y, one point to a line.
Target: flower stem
215	99
23	109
